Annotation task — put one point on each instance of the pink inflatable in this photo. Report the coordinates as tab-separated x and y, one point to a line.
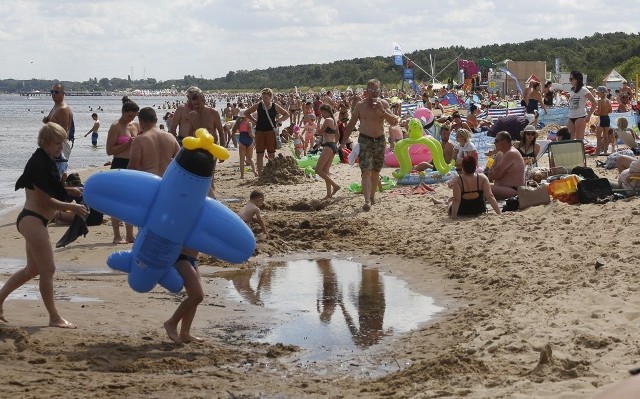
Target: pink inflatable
424	114
417	152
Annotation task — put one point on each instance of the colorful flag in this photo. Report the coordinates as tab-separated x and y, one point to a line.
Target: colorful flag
397	53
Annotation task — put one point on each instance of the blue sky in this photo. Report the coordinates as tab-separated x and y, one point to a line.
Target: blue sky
81	39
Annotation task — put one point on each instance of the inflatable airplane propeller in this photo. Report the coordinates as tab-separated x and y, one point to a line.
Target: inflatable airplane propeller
171	212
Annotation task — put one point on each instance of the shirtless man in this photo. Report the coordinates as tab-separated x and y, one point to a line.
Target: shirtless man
507	171
228	113
61	113
448	149
371	112
152	152
180	126
162	145
208	118
625	89
235	110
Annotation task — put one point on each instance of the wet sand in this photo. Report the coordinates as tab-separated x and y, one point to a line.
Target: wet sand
528	314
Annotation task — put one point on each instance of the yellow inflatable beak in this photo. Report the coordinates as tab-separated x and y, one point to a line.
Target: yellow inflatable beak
204	140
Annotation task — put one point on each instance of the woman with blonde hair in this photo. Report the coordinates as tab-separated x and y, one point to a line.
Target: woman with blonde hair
45	194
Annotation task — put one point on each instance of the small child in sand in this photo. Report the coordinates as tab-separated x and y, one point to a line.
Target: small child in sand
309	132
298	145
251	210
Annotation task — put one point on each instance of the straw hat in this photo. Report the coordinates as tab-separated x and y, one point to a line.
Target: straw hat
530	128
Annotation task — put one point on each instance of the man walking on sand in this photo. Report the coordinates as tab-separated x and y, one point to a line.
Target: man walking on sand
207	118
371	112
152	152
180	127
154	149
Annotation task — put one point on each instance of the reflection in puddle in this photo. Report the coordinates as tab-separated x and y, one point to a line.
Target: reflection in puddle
331	305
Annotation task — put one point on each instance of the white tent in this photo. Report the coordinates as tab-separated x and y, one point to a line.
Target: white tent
613	80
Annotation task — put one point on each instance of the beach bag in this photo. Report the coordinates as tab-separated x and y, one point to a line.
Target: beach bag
276	130
564	188
611	159
585	172
511	204
594	191
533	194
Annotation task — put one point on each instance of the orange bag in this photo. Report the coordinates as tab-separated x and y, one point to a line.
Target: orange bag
564	187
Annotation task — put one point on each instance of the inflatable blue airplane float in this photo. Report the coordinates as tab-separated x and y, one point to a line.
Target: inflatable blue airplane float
171	212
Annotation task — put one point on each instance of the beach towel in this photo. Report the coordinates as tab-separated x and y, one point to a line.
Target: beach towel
77	228
420	189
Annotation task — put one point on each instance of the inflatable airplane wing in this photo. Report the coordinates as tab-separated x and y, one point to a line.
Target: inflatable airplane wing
171	212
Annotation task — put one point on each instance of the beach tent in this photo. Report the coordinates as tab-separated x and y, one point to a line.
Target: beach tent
613	80
532	78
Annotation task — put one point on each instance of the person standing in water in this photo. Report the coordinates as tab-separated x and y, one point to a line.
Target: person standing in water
94	130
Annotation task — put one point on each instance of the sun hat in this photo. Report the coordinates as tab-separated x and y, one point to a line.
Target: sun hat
530	128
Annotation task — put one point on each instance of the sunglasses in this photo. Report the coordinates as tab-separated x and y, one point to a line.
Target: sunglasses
530	134
56	91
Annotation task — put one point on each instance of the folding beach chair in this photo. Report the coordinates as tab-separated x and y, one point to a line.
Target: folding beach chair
567	154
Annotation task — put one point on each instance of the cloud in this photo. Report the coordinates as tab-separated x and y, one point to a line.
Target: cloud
78	39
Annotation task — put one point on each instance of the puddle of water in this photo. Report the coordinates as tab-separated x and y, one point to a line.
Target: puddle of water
32	293
330	307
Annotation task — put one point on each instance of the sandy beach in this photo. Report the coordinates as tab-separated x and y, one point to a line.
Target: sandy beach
539	303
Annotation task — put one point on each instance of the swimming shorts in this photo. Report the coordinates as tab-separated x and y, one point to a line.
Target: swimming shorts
604	121
26	212
192	261
371	152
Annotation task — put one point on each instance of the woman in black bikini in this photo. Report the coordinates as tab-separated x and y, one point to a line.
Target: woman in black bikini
527	145
471	191
45	194
329	130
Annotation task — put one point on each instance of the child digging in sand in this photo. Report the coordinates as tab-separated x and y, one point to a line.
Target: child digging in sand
252	210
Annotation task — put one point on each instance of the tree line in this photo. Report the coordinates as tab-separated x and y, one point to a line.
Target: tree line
594	56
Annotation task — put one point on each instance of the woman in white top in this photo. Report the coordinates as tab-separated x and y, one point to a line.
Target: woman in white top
578	97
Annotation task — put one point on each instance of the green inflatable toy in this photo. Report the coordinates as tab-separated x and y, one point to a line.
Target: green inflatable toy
415	137
312	160
387	184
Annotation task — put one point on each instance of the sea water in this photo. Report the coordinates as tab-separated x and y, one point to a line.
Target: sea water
21	119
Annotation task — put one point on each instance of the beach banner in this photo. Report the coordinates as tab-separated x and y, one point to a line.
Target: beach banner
512	76
397	53
408	74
